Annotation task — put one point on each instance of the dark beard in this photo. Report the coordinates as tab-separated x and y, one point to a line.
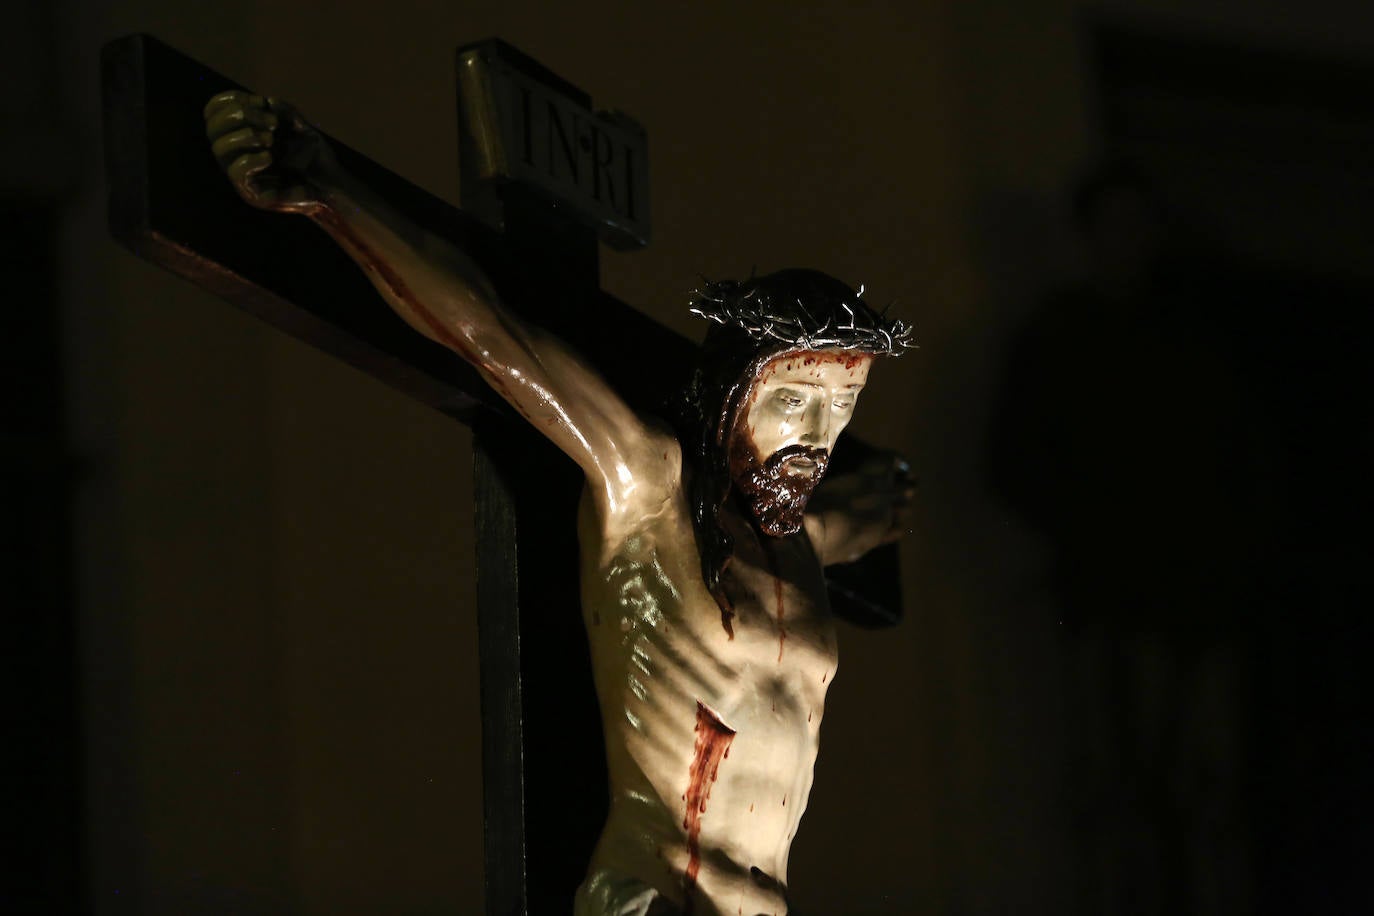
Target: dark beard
776	499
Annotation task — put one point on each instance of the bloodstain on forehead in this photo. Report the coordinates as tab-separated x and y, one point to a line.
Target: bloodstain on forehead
849	359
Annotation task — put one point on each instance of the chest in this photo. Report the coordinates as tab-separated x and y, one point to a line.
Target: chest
649	602
777	593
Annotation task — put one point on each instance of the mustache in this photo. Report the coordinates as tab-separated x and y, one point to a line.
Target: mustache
819	455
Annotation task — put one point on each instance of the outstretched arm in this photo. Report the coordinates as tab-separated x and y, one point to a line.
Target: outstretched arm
853	513
277	161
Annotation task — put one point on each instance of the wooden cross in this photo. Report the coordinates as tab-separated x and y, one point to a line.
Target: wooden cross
542	177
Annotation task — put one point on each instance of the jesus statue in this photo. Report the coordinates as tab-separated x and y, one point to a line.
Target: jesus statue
702	547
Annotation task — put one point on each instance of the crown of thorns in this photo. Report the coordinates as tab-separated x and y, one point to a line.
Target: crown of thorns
852	325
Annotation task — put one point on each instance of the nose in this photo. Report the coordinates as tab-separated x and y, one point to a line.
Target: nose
816	431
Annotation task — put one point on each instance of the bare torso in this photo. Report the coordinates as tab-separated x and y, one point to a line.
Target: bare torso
712	721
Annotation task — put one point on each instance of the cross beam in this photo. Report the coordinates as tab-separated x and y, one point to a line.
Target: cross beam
543	772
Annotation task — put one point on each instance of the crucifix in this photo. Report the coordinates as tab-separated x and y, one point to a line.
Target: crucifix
544	177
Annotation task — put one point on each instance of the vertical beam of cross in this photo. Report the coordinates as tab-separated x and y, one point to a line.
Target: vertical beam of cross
545	786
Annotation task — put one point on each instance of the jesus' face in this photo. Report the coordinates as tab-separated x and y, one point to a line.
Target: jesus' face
782	443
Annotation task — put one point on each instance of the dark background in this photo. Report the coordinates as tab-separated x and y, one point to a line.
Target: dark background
242	665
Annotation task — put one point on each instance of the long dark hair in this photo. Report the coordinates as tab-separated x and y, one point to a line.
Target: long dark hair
754	322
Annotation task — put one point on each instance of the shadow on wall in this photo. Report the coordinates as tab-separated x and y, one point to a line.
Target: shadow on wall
1193	457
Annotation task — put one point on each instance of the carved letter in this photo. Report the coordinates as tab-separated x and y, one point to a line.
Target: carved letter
603	154
564	141
630	182
527	124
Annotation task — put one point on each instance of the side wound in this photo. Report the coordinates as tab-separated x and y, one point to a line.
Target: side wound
712	746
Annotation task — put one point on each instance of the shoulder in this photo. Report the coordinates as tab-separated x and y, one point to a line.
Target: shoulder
663	450
644	487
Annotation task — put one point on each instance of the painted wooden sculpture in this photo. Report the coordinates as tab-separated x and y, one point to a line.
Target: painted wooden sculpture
702	548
